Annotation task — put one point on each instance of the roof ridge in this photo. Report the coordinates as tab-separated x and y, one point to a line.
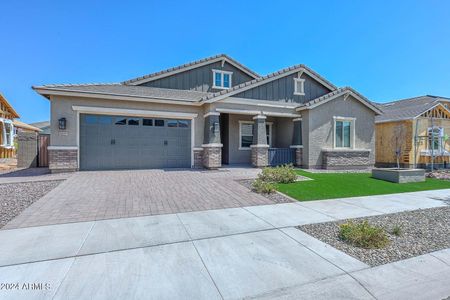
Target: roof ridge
406	99
78	84
339	91
262	78
189	64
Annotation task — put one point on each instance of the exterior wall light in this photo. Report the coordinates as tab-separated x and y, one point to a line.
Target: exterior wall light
62	123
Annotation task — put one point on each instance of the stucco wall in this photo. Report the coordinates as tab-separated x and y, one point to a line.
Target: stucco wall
319	123
62	107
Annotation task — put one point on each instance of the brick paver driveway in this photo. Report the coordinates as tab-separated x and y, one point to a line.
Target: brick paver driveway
87	196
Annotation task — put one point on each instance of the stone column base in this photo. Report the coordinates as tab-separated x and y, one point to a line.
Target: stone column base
198	158
298	155
260	155
62	160
212	156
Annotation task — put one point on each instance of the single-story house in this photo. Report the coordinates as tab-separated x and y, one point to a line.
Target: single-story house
418	128
209	113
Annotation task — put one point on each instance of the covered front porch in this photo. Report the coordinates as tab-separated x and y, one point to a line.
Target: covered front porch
250	137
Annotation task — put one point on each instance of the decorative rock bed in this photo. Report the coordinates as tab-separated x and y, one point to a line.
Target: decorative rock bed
442	175
15	197
275	197
422	231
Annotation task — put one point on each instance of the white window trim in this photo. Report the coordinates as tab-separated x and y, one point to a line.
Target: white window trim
352	131
250	122
8	140
302	86
221	79
439	136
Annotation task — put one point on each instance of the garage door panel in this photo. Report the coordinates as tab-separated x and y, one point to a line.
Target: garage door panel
106	145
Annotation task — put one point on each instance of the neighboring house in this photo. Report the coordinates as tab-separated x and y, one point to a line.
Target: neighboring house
7	115
419	127
44	126
208	113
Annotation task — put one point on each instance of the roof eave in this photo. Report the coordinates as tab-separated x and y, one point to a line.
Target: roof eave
47	92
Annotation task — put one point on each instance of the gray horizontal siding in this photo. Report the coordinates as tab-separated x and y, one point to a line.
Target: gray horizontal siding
199	79
283	90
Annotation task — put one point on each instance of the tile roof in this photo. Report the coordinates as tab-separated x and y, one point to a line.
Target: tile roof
408	108
336	93
248	84
203	60
118	89
26	126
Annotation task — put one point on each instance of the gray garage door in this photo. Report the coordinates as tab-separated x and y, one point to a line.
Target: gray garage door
120	142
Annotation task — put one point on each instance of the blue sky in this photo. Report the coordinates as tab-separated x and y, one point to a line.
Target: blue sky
384	49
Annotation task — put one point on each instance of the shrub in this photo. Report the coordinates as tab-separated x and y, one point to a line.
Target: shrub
280	174
363	235
396	230
263	187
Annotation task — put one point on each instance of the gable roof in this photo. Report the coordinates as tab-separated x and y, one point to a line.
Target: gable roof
118	89
10	108
337	93
409	108
26	126
188	66
266	79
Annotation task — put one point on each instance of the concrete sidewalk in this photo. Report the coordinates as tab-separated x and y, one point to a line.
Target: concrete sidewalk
225	254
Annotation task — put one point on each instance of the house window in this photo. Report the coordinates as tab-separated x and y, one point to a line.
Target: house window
221	79
343	137
299	86
133	121
8	131
246	134
121	121
159	123
435	138
147	122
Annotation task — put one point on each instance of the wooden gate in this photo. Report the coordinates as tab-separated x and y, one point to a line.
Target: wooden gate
43	142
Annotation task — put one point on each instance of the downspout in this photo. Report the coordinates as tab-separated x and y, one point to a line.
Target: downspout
416	144
432	143
3	132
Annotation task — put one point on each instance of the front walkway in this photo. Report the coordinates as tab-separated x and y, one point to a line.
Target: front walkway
90	196
231	253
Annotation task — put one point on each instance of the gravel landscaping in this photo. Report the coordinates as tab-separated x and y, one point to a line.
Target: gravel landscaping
275	197
422	231
15	197
443	175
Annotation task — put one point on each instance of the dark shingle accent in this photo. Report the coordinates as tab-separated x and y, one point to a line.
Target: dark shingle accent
269	76
168	71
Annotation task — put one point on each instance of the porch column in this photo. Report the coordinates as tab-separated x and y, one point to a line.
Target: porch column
260	149
212	147
297	142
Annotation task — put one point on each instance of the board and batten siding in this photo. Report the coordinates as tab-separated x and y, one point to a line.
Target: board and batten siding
282	89
199	79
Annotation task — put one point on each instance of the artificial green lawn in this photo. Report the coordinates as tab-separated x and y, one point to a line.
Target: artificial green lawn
341	185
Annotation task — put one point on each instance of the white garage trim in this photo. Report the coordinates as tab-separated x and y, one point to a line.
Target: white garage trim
137	113
132	112
62	148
